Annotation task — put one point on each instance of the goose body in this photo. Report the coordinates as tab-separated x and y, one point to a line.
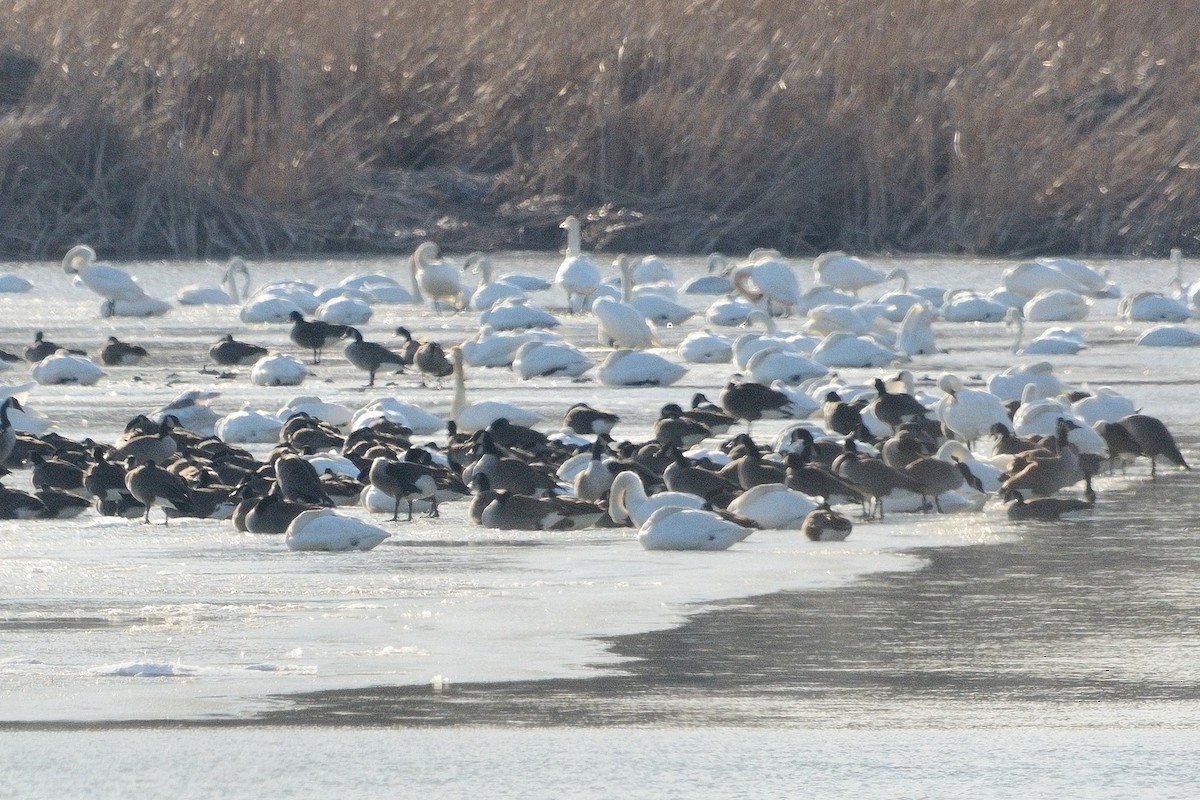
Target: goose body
118	353
230	352
370	356
823	524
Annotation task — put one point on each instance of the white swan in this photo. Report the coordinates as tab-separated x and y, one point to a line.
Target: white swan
773	505
1104	404
13	284
25	419
1088	279
420	421
190	408
1054	341
786	366
729	312
577	274
435	277
826	319
915	336
849	273
344	311
325	529
268	308
477	416
769	279
1031	277
1152	307
492	348
965	305
378	288
1010	383
628	501
517	313
146	306
715	282
335	414
639	368
1168	335
64	367
491	290
621	325
847	350
280	369
689	529
545	359
227	293
706	347
989	472
104	279
1057	305
968	413
248	425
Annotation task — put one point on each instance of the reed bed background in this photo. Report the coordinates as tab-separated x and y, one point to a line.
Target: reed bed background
200	128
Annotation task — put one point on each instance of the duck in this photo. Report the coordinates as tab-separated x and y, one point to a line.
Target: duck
577	274
326	530
1042	508
639	368
370	356
111	283
674	528
823	524
227	293
118	353
314	334
279	369
229	352
477	416
435	277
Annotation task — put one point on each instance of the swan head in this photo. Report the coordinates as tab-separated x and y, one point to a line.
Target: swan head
949	383
79	256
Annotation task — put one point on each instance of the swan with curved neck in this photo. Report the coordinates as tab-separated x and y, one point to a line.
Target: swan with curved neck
629	503
434	276
112	284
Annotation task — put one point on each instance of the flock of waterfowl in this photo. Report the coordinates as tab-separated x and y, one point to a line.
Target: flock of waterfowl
699	479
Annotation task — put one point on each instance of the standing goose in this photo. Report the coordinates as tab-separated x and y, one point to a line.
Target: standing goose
314	334
404	480
8	434
435	277
872	477
152	485
1153	439
118	353
1045	474
432	360
370	356
159	446
230	352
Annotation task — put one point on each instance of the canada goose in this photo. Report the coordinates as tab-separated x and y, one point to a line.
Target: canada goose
935	476
408	347
584	420
675	429
230	352
43	347
753	401
431	359
61	505
504	510
16	504
118	353
403	480
109	282
592	483
152	485
896	408
298	481
1154	440
816	480
709	414
507	473
159	446
370	356
682	475
8	435
823	524
751	469
55	473
872	477
103	478
269	514
1044	508
1044	475
313	334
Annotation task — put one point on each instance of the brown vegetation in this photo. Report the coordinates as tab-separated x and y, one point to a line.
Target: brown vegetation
204	127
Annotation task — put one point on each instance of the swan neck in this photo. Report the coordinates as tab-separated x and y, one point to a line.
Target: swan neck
459	402
413	268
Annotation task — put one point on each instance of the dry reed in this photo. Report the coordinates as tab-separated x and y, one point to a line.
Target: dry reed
205	127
